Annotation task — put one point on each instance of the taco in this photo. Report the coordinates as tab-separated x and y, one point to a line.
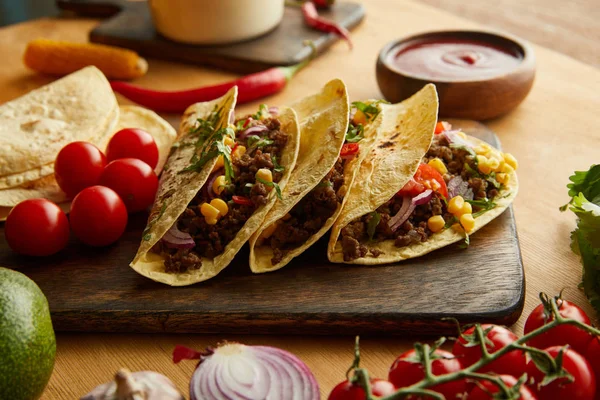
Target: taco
418	191
331	149
217	187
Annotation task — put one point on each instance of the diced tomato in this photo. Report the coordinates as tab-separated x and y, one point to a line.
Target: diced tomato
247	122
422	181
412	189
442	126
349	149
242	200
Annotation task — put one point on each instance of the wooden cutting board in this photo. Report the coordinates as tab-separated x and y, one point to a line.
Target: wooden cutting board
129	25
94	290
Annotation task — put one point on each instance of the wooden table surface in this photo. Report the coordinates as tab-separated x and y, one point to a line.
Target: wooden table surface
554	132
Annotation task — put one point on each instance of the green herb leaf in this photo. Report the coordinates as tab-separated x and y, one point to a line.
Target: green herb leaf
355	133
586	182
263	112
467	149
273	185
484	206
225	151
372	225
370	110
276	166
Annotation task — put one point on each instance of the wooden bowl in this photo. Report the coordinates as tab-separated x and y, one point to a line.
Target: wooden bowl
468	98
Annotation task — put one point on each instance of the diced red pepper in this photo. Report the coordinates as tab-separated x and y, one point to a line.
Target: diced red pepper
349	149
247	122
242	200
442	126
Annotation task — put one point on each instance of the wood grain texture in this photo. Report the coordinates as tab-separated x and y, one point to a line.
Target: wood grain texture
132	27
552	133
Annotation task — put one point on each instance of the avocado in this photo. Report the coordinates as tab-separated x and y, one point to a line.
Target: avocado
27	342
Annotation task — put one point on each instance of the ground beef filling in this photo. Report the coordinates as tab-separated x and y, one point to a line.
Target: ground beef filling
355	238
211	239
309	215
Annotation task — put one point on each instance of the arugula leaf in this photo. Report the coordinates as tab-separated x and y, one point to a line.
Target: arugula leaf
277	167
273	185
372	225
355	133
585	240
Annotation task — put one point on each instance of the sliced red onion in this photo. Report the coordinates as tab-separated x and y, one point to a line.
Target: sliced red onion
174	238
458	187
455	139
407	208
209	183
274	111
235	371
253	130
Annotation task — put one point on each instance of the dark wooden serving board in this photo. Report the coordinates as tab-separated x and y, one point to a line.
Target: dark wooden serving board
129	25
94	289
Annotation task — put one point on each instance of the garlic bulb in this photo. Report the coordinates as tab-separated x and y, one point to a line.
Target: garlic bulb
142	385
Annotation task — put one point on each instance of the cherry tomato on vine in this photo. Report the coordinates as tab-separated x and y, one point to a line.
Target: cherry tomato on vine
133	143
36	227
348	391
592	354
488	389
407	370
513	363
98	216
582	388
78	165
133	180
561	335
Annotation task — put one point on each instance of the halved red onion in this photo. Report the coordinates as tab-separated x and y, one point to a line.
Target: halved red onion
455	139
174	238
253	130
209	183
274	111
458	187
236	371
407	208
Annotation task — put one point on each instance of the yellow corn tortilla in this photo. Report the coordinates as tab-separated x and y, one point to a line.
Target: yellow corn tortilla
176	190
34	127
129	117
383	175
323	119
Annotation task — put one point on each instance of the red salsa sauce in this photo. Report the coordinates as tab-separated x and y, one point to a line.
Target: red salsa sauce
453	59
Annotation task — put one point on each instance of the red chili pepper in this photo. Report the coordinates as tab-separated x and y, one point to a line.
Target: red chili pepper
323	3
349	149
242	200
312	19
247	122
250	87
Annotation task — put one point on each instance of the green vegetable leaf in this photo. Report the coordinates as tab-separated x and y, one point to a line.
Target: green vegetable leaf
355	133
277	167
484	206
467	149
263	112
372	225
370	110
257	142
273	185
586	182
225	151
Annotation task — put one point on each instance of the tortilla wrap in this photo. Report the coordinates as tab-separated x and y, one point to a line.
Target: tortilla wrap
176	191
129	117
323	119
389	168
34	127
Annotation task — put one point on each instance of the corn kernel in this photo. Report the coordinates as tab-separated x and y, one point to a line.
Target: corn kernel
511	160
219	185
466	209
264	174
468	222
436	223
221	206
456	204
211	221
438	165
503	178
507	169
228	141
494	163
239	151
219	164
268	231
462	135
209	211
482	149
458	228
484	164
359	118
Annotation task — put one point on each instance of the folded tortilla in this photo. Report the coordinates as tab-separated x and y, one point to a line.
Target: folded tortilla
129	117
323	119
34	127
177	189
404	138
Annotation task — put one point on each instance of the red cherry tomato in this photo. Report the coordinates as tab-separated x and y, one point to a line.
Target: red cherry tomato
133	180
78	165
592	354
405	372
426	173
442	126
582	388
513	363
347	391
98	216
577	338
133	143
349	149
36	227
489	389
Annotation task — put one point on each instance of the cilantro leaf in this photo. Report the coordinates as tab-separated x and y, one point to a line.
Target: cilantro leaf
484	206
263	112
372	225
355	133
586	182
277	167
370	110
273	185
